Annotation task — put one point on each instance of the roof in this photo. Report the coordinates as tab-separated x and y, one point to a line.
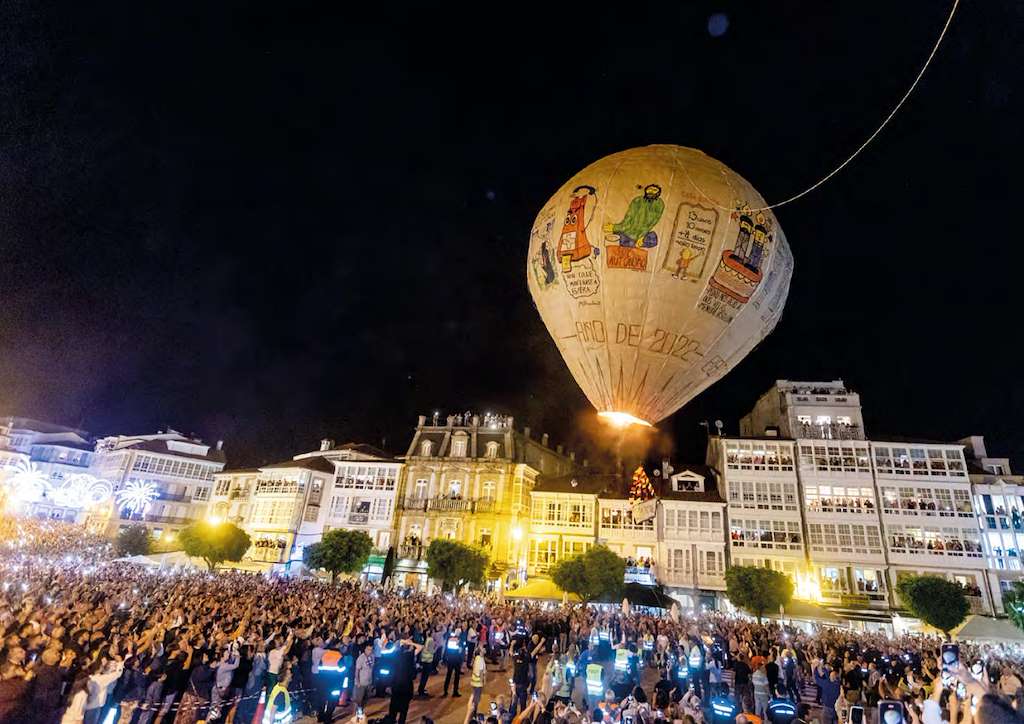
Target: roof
364	449
213	455
579	483
708	495
889	439
317	464
27	423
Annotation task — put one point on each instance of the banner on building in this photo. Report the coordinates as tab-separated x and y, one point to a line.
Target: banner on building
644	510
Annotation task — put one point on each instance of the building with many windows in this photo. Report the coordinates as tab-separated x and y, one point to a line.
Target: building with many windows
873	511
54	452
469	478
999	505
563	517
757	478
179	468
691	518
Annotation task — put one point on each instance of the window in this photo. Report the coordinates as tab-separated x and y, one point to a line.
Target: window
454	489
426	448
201	493
222	487
485	537
421	488
459	446
487	490
312	513
491	450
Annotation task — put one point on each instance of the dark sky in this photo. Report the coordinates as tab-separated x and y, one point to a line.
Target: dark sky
267	224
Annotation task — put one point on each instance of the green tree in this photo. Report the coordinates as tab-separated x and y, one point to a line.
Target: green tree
936	601
339	551
591	575
757	589
1013	602
214	542
133	541
455	564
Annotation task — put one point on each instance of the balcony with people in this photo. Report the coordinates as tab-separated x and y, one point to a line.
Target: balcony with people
934	544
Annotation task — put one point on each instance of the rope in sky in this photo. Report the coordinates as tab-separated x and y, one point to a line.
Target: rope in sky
862	146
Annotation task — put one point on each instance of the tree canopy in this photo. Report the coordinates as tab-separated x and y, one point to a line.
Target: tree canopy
455	564
936	601
214	542
339	551
1013	602
133	541
757	589
597	572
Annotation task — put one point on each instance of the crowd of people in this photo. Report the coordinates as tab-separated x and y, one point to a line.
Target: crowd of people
89	639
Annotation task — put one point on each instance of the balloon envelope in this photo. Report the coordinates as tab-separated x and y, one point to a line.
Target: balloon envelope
655	273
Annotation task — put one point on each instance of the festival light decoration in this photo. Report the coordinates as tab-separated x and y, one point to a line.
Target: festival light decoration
640	488
656	270
136	496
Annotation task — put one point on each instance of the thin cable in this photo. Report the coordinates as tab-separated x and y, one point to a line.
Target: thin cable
862	146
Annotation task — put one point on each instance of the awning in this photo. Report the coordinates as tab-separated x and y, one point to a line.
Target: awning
640	595
164	560
804	610
983	628
541	589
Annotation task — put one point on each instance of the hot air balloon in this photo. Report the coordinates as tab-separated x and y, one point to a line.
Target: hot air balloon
656	270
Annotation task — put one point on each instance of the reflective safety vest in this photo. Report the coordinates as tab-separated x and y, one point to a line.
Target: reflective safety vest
477	679
696	657
331	661
453	644
273	713
427	654
565	690
621	659
648	643
595	679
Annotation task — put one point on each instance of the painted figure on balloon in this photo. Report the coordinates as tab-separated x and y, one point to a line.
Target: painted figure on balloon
573	245
739	271
687	256
543	262
636	229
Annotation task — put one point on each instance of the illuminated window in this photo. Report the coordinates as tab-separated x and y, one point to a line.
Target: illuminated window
491	450
426	448
459	447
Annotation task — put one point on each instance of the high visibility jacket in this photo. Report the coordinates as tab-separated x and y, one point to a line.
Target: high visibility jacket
621	659
565	690
279	710
479	666
427	654
595	679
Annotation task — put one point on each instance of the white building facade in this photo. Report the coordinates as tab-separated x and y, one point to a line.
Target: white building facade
179	468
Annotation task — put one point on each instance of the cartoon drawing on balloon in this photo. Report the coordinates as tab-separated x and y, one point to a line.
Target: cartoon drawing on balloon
573	245
574	250
738	273
543	261
692	233
628	240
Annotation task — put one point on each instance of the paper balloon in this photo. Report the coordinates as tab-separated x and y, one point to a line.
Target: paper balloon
656	273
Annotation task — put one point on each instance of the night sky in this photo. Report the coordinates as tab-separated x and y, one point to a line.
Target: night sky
260	223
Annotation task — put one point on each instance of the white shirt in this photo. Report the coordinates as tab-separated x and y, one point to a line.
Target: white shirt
274	660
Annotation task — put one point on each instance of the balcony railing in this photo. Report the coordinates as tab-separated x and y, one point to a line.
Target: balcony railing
413	552
173	497
450	505
831	431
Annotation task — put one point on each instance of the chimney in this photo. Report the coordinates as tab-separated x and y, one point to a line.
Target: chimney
476	420
544	439
526	432
326	444
220	444
559	449
421	421
771	431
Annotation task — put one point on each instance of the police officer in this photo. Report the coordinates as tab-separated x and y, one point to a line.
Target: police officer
454	657
332	678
